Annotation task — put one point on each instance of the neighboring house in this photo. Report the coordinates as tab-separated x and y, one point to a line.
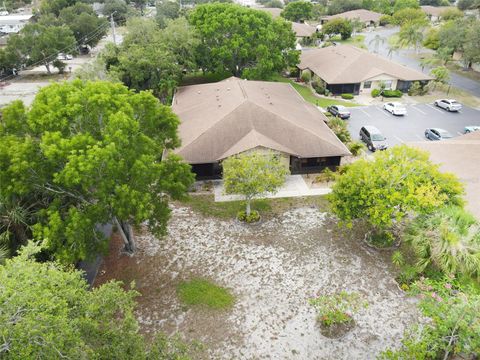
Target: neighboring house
12	24
226	118
369	18
459	156
275	12
348	69
434	13
303	30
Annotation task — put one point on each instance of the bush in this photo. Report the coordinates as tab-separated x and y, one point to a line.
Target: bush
326	175
60	65
347	96
253	217
306	76
392	93
356	147
385	20
339	128
337	308
375	93
417	89
319	87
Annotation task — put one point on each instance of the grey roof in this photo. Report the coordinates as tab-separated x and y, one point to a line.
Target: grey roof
459	156
226	118
347	64
303	30
360	14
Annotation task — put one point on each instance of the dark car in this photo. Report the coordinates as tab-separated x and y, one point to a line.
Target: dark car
339	110
437	134
374	139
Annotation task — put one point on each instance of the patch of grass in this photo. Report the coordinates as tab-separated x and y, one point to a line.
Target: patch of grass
307	93
357	40
203	292
206	205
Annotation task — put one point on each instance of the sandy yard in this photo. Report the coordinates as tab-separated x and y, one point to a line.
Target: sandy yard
272	268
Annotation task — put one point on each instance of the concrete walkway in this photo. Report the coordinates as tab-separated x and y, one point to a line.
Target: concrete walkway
294	186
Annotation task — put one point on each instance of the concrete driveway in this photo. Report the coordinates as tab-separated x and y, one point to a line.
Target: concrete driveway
404	129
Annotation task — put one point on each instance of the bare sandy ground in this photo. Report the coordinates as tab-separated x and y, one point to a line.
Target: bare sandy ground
273	269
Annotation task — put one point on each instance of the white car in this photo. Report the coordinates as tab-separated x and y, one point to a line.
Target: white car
395	108
63	56
448	104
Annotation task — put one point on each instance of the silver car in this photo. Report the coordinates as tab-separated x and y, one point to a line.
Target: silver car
437	134
448	104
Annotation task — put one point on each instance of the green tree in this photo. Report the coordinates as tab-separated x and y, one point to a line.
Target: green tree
447	240
397	182
39	44
86	26
411	35
54	6
242	41
405	4
340	6
432	39
338	26
167	10
471	49
409	15
117	8
451	14
48	312
298	11
253	175
440	74
92	153
340	129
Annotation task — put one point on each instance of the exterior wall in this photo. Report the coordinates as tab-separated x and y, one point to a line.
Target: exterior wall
376	83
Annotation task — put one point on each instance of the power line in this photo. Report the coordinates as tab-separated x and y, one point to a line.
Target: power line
49	58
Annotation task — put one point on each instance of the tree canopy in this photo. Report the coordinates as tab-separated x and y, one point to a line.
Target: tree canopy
397	182
86	154
242	41
340	27
48	312
298	11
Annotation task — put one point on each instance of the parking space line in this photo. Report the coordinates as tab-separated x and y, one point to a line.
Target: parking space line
382	111
419	137
434	108
363	111
420	111
396	137
459	133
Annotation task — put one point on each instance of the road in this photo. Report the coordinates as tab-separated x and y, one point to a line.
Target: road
403	57
410	128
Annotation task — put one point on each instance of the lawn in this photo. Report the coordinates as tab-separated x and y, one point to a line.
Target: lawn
357	40
206	205
309	96
203	292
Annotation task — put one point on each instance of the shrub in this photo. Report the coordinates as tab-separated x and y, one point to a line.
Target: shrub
356	147
347	96
253	217
337	308
326	175
339	128
417	89
385	20
392	93
319	87
375	93
306	76
203	292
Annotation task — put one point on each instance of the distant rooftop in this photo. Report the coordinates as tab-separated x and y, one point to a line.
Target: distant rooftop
361	14
14	19
435	10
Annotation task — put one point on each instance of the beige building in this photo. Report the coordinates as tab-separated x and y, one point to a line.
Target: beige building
369	18
348	69
233	116
303	30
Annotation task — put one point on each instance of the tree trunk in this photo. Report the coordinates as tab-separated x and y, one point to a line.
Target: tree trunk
47	65
126	232
248	210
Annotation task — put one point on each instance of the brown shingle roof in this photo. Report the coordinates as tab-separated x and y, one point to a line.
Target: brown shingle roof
435	10
346	64
275	12
303	30
225	118
459	156
361	14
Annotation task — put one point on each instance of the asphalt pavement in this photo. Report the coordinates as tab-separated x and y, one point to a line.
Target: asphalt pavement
411	127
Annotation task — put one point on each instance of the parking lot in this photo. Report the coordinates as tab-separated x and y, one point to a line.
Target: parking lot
411	127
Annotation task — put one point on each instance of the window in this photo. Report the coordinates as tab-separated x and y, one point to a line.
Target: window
388	84
367	84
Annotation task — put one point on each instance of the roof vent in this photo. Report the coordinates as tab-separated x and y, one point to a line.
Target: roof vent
219	105
271	103
228	89
198	92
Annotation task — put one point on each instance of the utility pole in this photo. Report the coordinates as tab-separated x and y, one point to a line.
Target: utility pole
112	23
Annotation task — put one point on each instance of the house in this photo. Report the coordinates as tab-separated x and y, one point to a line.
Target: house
348	69
275	12
303	30
369	18
12	24
226	118
459	156
434	13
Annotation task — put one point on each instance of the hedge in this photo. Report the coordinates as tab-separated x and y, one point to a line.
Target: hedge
392	93
347	96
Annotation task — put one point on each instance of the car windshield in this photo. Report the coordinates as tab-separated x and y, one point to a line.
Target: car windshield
377	137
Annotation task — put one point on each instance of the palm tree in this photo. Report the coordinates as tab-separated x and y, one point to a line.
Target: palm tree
411	35
448	240
377	40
